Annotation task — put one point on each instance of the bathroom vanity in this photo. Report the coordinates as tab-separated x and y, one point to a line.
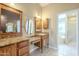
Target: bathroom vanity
17	46
40	40
12	43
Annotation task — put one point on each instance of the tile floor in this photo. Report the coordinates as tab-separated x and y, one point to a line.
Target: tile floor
66	50
46	52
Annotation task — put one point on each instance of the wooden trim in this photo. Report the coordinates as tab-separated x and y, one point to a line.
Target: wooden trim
21	23
11	7
35	23
0	18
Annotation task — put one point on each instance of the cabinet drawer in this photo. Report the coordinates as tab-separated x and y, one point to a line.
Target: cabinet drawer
23	51
45	37
23	44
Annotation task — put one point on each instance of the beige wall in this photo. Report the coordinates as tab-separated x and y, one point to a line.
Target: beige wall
29	10
51	11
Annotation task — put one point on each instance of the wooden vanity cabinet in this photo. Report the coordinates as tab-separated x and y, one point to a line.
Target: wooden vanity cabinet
16	49
23	48
9	50
45	40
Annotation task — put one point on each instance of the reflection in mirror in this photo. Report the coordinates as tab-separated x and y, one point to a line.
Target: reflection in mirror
10	22
3	23
9	27
18	25
30	27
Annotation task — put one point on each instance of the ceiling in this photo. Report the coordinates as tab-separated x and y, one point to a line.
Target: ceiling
43	4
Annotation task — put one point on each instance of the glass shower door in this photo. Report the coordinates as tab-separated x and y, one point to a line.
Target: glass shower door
71	33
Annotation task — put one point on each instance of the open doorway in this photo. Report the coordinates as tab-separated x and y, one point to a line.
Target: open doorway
67	33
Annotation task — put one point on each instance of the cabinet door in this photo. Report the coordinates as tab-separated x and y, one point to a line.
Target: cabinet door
13	50
4	51
45	40
8	50
23	48
23	51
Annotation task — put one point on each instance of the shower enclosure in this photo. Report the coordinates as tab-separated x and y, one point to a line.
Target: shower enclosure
67	33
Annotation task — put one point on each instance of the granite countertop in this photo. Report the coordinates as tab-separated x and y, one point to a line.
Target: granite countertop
34	39
8	41
42	34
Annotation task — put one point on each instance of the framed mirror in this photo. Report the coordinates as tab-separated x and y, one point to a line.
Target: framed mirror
38	24
11	19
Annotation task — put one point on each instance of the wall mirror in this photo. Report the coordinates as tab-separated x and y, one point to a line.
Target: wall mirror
45	23
35	25
38	25
11	20
30	27
41	25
